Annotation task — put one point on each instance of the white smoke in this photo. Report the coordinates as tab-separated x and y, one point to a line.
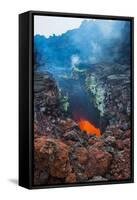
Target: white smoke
74	60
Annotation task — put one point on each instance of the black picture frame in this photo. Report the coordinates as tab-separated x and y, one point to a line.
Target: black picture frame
26	61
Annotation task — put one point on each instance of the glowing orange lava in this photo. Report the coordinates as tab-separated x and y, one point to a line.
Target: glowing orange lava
85	125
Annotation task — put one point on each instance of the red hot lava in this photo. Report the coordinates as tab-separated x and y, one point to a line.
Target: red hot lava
87	126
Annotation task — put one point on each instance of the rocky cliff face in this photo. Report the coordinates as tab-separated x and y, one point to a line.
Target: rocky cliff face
109	84
65	154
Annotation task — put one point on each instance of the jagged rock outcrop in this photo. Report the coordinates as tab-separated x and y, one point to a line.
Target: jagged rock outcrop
46	94
65	154
69	162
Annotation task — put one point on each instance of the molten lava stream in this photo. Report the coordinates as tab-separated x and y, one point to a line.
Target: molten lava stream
85	125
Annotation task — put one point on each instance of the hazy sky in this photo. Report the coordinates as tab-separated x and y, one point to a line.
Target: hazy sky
49	25
45	25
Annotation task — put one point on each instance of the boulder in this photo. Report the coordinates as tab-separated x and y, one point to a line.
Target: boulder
52	154
99	162
81	154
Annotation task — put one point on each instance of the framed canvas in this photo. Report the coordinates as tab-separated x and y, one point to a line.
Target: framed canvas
75	99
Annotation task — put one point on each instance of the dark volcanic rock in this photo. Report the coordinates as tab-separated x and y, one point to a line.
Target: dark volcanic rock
64	153
71	135
45	92
99	162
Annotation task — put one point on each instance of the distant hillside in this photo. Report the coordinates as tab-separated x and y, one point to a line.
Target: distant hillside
88	43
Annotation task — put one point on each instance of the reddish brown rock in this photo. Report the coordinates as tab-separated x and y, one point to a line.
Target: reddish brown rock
40	172
90	168
99	144
70	123
120	168
39	142
81	154
71	178
119	144
110	140
127	142
127	134
40	163
66	124
57	156
70	142
51	160
99	162
117	133
92	140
